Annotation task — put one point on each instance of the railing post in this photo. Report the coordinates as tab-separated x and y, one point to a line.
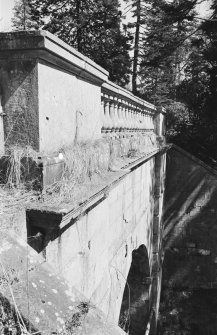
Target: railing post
107	115
103	118
120	116
159	122
116	119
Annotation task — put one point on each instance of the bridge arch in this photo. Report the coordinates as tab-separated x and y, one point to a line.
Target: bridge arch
135	305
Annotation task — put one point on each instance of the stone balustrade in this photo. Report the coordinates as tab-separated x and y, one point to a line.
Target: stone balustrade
123	113
47	88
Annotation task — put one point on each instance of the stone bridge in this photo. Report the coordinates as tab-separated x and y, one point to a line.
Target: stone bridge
109	246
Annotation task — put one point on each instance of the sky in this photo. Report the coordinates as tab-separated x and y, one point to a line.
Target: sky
6	12
203	9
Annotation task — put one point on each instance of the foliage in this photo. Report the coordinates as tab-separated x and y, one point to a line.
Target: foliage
178	119
198	90
160	46
177	68
22	16
93	28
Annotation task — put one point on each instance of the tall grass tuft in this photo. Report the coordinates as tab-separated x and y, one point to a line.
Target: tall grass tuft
18	164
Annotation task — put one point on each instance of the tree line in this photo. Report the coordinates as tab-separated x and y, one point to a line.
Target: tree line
167	51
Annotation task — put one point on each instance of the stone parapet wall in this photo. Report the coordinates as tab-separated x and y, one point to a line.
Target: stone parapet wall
92	245
51	95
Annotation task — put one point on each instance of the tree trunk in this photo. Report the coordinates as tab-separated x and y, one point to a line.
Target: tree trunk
79	33
136	47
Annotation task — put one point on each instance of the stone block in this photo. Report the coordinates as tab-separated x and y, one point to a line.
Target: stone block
35	174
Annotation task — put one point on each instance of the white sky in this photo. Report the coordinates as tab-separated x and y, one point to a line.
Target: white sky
6	12
203	9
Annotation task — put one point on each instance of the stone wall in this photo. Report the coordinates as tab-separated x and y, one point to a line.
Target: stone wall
69	107
50	93
53	96
93	250
19	100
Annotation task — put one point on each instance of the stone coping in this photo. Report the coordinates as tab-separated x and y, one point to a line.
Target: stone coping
45	46
65	215
119	92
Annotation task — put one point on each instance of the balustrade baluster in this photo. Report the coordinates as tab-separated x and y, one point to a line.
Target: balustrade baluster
120	114
134	119
111	113
130	118
140	119
123	112
149	126
120	117
149	121
143	121
107	115
103	119
116	119
152	122
146	121
127	116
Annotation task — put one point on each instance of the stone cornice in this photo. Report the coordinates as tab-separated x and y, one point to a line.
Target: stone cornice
48	48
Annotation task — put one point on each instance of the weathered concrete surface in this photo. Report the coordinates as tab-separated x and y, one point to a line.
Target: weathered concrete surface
51	94
35	298
93	251
19	92
69	107
190	234
62	104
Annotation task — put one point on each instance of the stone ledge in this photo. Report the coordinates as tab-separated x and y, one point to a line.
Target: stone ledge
66	213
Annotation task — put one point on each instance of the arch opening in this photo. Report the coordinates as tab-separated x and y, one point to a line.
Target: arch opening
135	305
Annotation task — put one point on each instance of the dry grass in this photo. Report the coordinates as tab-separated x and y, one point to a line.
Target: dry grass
86	168
18	164
88	164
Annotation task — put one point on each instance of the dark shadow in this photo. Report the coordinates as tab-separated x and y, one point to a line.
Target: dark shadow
188	304
190	231
135	304
188	312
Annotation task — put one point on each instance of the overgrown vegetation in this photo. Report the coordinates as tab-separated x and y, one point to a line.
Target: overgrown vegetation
88	167
18	166
174	55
